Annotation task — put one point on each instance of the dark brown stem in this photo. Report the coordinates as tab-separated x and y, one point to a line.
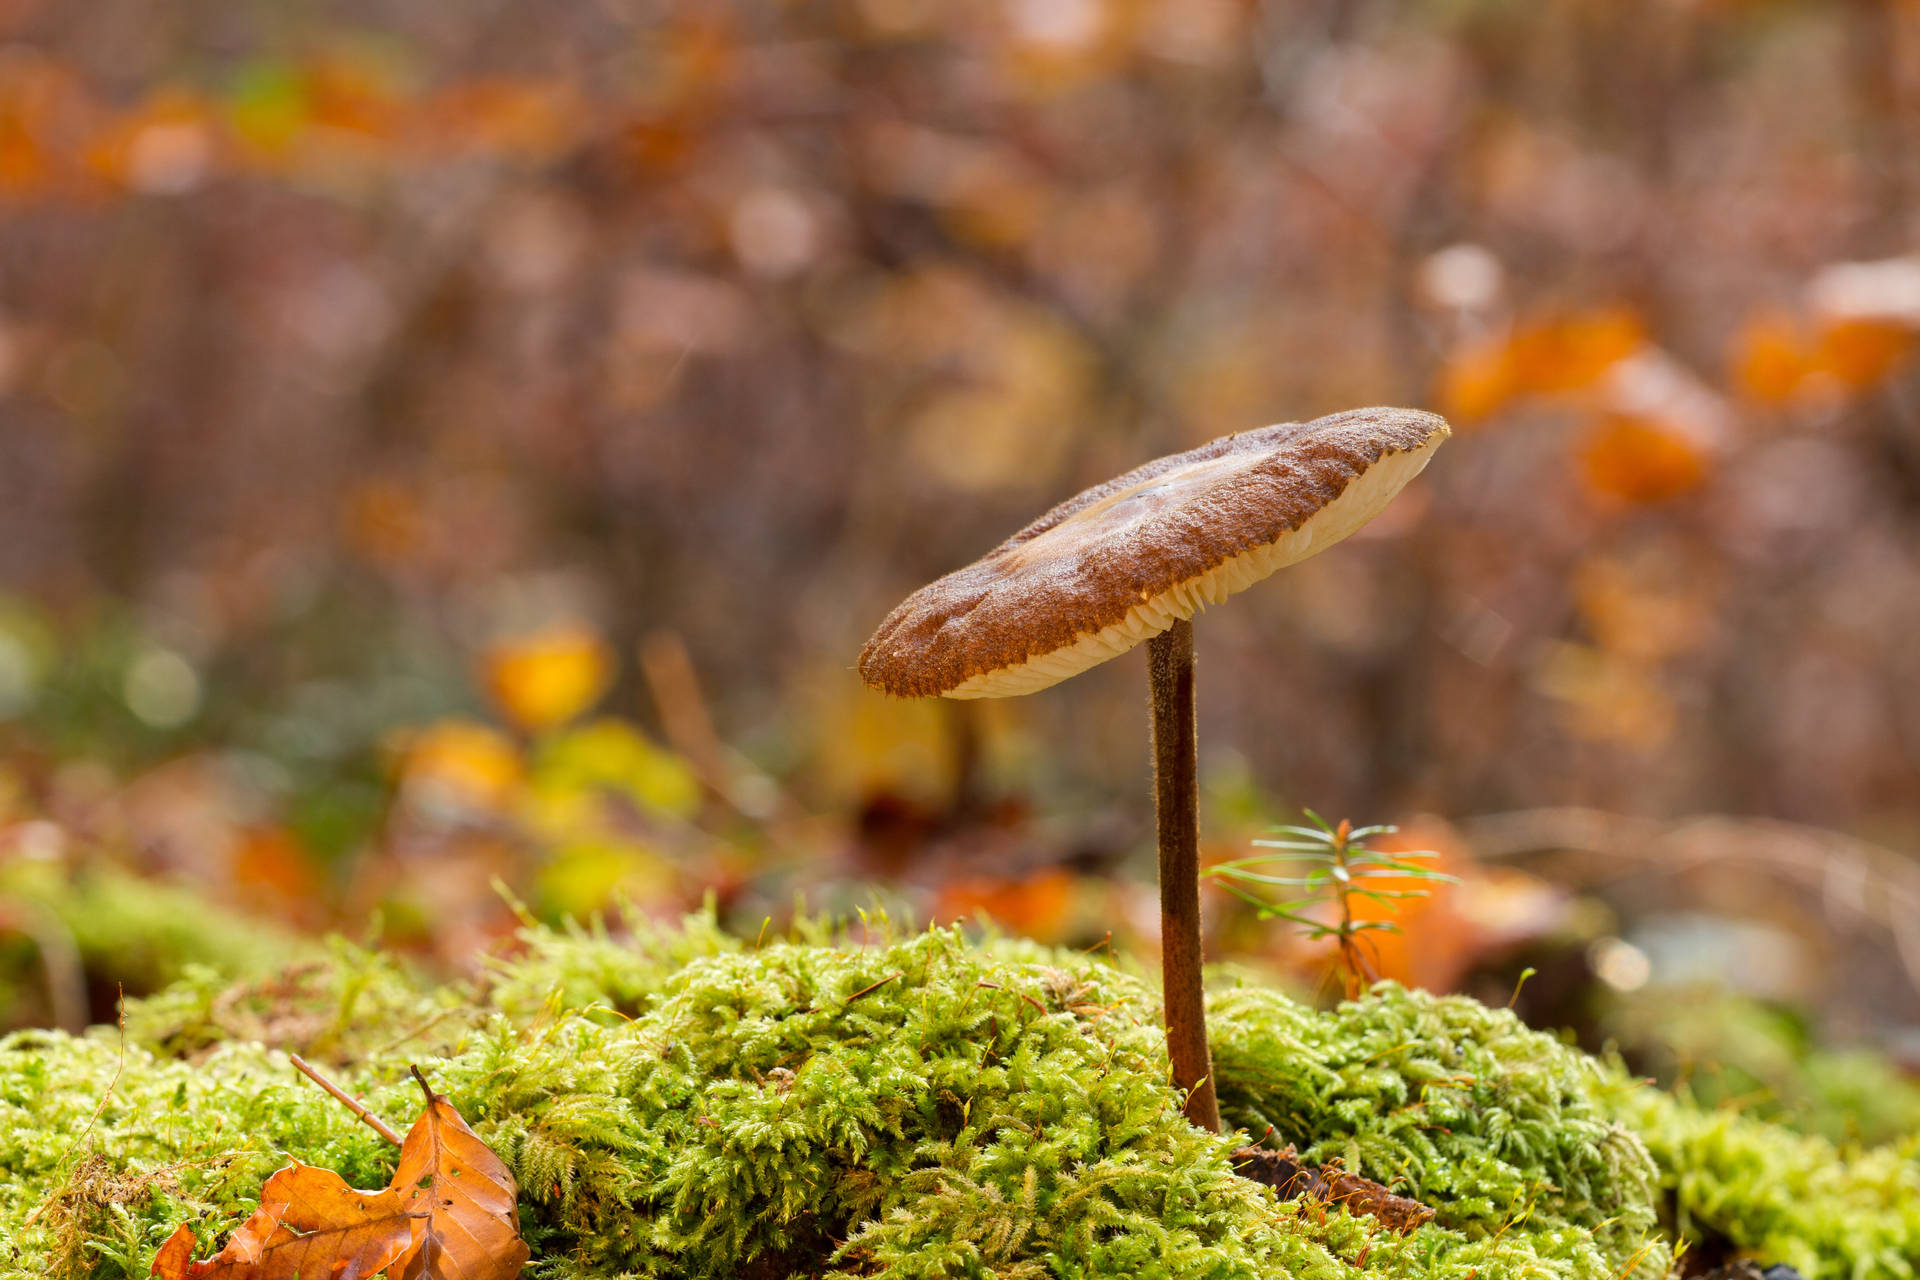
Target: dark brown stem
424	1086
347	1100
1177	806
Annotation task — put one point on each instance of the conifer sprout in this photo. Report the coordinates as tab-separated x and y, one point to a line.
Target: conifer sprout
1134	559
1340	869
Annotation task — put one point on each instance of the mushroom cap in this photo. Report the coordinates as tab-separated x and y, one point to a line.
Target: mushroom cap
1125	560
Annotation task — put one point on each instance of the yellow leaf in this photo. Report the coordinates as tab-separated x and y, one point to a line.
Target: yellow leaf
611	755
461	763
584	876
547	677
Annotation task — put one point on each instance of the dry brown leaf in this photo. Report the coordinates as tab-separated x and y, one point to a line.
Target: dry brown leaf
471	1230
309	1223
447	1215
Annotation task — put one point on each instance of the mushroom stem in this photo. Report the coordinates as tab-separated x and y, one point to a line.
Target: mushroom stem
1177	807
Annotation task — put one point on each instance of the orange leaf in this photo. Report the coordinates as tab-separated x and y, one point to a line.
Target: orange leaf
1037	907
1641	460
1574	352
1556	356
1770	360
471	1230
460	764
448	1215
1862	352
1477	379
176	1255
309	1223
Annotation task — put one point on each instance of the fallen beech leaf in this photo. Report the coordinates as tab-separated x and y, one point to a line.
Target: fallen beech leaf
470	1230
309	1223
176	1255
448	1214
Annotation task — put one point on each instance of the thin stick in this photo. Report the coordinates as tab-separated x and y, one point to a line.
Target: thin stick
870	990
1176	768
346	1100
668	669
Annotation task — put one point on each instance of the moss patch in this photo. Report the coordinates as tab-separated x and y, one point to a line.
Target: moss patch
1461	1106
1830	1212
678	1105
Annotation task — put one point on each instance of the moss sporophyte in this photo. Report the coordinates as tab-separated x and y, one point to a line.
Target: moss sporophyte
679	1104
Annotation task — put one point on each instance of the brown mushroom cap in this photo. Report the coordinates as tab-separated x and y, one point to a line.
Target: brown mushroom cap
1125	560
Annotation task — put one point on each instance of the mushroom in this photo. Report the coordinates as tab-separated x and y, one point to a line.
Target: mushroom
1134	559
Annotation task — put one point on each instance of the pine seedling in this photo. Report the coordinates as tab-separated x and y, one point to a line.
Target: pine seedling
1338	868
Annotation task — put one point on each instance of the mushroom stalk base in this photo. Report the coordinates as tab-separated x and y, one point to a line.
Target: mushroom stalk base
1177	807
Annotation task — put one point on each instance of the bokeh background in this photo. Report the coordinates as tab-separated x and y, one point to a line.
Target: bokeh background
456	446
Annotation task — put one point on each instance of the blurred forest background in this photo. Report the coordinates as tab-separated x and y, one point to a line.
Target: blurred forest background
448	443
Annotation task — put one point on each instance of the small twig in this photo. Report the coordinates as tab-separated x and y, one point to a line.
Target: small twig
346	1099
870	990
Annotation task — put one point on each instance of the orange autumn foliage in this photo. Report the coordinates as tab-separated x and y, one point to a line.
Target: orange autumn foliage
1770	360
448	1212
460	762
270	866
471	1229
1037	907
1440	935
310	1222
1551	357
1775	360
1573	353
1861	353
1477	380
1640	459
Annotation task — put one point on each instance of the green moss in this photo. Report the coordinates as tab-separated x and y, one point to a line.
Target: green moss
349	1004
129	931
1729	1047
1830	1212
682	1106
581	965
1456	1104
202	1135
